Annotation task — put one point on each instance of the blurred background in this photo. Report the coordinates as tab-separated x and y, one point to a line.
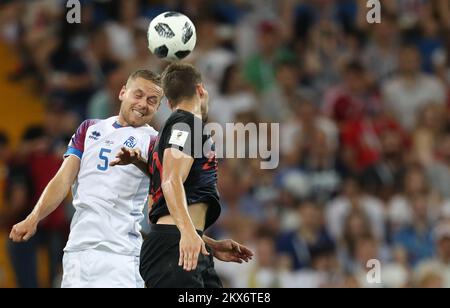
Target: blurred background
365	129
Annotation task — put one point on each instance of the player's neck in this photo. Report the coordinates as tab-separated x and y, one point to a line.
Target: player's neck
190	106
121	121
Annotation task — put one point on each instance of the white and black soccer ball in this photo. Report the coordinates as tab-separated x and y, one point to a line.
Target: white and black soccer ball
171	35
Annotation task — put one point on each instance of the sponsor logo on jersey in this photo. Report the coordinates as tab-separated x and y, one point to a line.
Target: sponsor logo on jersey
95	135
131	142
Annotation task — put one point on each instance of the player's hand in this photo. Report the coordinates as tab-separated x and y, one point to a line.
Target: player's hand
191	244
231	251
24	230
126	156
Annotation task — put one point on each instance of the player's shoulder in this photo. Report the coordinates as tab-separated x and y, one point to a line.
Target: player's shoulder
181	117
148	130
89	122
85	125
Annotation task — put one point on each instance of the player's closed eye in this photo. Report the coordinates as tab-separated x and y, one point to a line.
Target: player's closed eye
138	94
152	100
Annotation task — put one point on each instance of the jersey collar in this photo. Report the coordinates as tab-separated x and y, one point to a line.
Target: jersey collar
117	125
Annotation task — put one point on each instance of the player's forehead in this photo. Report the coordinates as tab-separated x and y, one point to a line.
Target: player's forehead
148	87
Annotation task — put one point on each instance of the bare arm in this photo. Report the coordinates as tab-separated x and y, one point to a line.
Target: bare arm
228	250
176	168
55	192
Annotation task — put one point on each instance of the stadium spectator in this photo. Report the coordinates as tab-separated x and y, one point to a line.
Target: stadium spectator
351	199
354	98
380	54
410	89
383	179
438	266
5	153
400	207
416	238
309	237
439	171
259	69
19	190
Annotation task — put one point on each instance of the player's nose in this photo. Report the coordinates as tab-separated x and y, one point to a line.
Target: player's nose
141	106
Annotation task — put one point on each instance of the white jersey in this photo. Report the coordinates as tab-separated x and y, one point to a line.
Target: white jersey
108	200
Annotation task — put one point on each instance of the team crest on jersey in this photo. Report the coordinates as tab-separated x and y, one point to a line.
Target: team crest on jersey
95	135
131	142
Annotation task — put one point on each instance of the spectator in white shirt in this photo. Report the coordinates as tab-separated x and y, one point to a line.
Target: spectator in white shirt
410	90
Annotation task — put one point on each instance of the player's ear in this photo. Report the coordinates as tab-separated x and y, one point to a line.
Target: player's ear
171	105
122	93
200	90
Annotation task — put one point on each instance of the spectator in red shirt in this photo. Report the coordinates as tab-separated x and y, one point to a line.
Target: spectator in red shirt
352	99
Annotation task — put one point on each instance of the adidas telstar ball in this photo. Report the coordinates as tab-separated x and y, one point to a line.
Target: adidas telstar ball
171	35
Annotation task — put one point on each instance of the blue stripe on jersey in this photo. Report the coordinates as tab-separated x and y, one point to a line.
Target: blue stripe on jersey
73	151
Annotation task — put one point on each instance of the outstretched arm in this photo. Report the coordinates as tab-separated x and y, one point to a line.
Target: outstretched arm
229	250
53	195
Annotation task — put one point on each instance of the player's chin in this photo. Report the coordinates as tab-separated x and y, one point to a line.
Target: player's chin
138	121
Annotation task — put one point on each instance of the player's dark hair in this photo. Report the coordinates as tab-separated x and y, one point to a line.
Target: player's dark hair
179	81
147	75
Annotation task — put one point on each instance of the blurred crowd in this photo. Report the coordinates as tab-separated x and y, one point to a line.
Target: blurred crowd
364	113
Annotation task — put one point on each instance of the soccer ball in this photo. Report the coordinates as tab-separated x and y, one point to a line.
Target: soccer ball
171	35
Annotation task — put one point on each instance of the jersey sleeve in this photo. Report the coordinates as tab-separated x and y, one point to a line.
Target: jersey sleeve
76	144
184	134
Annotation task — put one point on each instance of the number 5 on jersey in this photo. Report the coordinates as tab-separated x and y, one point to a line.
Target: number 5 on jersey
104	158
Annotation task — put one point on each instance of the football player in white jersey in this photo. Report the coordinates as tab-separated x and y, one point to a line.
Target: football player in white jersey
105	240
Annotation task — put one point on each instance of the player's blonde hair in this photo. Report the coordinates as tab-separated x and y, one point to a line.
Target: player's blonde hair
147	75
